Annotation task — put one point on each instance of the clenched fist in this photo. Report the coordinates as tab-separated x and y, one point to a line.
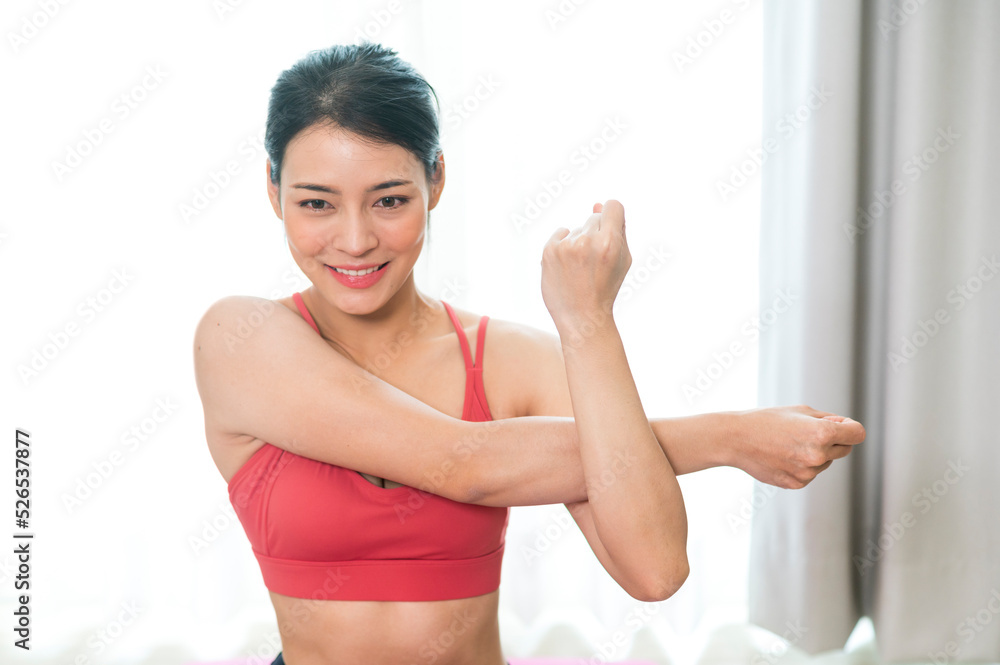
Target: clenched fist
788	446
583	269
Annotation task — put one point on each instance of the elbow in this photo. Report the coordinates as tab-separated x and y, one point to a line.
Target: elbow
663	585
458	483
459	474
473	484
475	493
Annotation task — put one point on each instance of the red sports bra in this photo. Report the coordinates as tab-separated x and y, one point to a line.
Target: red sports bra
324	532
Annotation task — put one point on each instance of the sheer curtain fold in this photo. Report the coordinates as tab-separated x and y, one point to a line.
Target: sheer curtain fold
880	209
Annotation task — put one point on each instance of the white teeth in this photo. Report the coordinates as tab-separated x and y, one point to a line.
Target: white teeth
357	272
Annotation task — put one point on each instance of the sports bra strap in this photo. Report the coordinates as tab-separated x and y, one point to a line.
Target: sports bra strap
461	334
480	340
305	312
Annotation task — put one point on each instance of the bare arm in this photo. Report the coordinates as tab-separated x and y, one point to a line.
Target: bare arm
776	444
543	368
283	384
634	517
334	410
634	503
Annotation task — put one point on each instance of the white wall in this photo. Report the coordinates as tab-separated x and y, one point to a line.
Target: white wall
63	238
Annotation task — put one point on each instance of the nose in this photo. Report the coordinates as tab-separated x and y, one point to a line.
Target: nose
354	234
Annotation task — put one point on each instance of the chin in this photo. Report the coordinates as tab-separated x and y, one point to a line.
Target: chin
360	303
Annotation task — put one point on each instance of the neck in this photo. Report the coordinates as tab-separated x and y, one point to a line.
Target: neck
373	338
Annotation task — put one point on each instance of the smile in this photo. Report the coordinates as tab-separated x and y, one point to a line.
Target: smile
366	271
361	277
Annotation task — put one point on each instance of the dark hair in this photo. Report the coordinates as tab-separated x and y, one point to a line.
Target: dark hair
364	88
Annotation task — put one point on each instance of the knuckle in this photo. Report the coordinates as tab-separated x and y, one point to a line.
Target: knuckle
815	458
804	456
823	433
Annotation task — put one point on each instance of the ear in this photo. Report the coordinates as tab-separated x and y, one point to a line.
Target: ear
437	184
273	192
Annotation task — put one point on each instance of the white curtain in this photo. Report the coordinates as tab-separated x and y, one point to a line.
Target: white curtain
880	212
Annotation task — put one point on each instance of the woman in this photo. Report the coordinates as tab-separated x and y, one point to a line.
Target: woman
374	486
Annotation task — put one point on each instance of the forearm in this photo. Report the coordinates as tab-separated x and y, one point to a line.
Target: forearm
636	502
524	461
536	460
699	442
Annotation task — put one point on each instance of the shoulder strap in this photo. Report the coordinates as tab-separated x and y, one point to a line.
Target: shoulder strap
297	297
481	341
461	335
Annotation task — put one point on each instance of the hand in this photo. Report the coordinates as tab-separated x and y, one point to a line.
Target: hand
788	446
582	270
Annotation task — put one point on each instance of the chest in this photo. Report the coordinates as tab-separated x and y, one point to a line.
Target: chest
304	518
433	372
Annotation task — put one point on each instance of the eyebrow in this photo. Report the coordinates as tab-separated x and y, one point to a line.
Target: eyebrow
330	190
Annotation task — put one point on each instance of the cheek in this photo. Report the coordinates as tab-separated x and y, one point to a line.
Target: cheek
404	234
305	243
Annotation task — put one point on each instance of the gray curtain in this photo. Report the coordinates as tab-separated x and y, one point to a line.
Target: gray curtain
881	215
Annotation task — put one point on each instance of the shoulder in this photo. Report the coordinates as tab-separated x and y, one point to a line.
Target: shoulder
233	325
223	339
523	365
511	341
217	334
237	315
217	322
227	308
534	364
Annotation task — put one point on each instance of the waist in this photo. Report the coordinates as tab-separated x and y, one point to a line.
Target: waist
462	630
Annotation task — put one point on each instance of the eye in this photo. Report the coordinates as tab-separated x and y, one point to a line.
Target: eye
399	200
306	204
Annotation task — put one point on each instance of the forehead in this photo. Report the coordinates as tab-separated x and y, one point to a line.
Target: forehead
323	154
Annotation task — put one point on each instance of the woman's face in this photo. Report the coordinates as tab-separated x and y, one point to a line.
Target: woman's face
351	205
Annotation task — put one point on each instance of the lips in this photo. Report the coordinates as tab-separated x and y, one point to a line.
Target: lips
358	277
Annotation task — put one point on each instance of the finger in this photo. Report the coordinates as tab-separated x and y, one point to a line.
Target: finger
822	467
815	413
557	235
838	451
598	207
849	432
613	217
593	223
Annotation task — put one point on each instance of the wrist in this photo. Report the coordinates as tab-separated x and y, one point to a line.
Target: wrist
734	426
584	334
577	328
